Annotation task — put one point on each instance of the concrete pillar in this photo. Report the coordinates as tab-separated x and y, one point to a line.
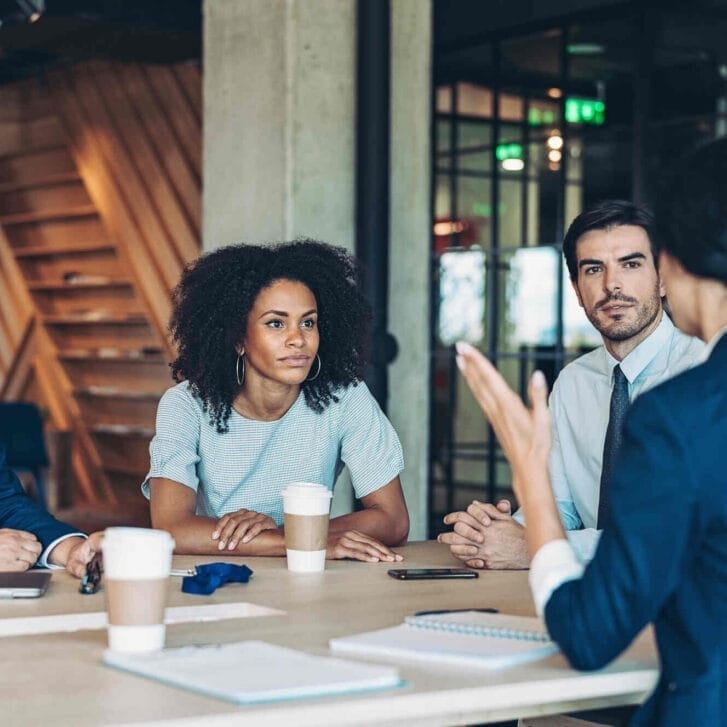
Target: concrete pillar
410	252
279	87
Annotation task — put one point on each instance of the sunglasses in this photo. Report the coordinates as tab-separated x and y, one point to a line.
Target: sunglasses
91	581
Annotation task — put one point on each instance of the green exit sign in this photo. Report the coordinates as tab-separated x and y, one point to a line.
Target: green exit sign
508	151
585	111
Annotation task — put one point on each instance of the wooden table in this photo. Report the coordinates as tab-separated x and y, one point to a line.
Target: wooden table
58	679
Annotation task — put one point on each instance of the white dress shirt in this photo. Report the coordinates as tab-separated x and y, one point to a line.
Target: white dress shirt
579	408
556	562
43	560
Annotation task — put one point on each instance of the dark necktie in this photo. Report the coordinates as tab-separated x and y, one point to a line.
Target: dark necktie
616	418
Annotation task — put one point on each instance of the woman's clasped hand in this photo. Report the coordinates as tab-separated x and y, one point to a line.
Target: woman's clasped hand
240	526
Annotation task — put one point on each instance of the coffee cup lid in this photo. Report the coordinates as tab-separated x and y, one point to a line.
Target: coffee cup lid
306	489
138	534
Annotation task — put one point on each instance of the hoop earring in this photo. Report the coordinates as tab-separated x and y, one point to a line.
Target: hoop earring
240	377
312	378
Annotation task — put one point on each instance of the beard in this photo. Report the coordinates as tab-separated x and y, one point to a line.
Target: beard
645	313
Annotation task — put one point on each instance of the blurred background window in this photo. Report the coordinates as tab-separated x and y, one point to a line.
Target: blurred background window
535	119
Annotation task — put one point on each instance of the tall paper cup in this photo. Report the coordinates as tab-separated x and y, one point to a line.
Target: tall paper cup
305	510
137	562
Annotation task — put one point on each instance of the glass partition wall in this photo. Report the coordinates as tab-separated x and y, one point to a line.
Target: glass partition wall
528	130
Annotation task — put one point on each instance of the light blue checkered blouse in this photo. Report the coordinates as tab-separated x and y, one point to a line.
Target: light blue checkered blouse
248	466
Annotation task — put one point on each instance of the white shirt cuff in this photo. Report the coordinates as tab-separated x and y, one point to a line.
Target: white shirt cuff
43	560
553	564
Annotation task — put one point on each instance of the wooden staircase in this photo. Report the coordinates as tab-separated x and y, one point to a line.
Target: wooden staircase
97	326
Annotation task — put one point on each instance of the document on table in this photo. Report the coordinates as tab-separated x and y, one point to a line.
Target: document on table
69	622
247	672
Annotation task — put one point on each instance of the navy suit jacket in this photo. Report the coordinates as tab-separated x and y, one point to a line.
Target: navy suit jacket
663	557
19	512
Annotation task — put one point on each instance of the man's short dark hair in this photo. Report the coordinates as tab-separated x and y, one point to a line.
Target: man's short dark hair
605	215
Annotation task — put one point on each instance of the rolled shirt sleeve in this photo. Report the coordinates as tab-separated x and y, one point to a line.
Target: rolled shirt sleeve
553	564
370	447
174	450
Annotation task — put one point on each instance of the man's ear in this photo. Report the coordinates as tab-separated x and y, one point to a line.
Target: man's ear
574	285
657	265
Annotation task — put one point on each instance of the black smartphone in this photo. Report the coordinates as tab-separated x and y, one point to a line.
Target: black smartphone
419	574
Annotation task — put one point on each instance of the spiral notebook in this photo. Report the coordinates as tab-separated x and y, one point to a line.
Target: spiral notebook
470	638
248	672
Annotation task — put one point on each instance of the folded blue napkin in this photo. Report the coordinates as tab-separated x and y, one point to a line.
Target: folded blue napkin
213	575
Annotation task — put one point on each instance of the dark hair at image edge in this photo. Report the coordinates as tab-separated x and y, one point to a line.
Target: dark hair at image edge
605	215
216	293
692	212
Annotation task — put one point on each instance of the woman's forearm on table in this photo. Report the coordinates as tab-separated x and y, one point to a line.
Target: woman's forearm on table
193	536
387	527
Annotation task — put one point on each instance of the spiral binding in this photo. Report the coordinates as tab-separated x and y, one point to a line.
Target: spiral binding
420	622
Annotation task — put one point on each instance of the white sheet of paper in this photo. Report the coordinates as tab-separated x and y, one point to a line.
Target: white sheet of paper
68	622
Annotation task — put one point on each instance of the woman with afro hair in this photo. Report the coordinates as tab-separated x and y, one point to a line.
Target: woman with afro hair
271	344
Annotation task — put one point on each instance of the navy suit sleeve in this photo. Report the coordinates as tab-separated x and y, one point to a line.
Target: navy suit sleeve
19	512
642	553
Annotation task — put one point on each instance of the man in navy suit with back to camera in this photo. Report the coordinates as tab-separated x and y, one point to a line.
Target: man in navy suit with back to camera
29	535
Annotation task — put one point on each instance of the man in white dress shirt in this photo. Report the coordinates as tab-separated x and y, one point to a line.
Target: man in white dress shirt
611	253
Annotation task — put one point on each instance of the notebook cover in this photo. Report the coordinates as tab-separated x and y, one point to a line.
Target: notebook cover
248	672
441	646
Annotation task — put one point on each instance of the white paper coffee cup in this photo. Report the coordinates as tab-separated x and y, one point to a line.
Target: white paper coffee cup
137	562
306	507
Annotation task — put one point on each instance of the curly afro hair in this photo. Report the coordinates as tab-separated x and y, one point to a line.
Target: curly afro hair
217	292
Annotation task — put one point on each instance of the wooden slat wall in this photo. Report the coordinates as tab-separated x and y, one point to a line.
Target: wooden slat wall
136	138
30	139
34	374
100	180
16	307
16	312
